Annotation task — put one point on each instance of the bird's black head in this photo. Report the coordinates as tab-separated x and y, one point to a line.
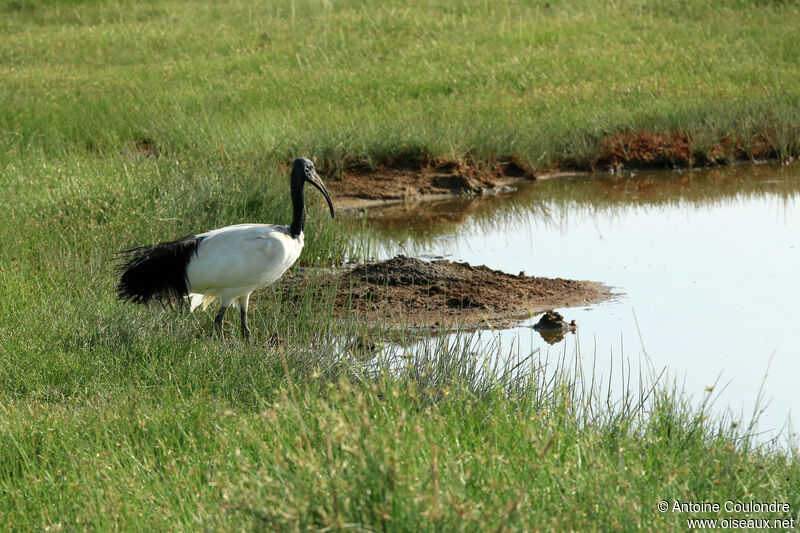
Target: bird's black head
303	171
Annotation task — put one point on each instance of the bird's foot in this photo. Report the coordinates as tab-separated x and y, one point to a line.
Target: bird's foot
218	329
274	341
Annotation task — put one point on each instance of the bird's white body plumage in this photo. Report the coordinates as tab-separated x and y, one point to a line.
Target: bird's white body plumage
227	263
233	261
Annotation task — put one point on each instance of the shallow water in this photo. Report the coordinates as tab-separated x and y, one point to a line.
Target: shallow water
707	264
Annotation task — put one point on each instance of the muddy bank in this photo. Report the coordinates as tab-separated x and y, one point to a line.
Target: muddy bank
411	179
652	150
404	179
422	294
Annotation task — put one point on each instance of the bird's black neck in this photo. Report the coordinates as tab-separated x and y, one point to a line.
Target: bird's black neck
298	208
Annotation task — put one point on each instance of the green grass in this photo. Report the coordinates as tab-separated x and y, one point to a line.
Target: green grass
117	417
167	449
540	81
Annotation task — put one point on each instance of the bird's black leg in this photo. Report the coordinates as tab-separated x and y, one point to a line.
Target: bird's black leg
245	329
218	320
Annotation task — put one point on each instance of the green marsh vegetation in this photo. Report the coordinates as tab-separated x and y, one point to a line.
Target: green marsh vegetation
114	417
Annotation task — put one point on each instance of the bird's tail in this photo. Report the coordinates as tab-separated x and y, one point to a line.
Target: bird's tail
156	272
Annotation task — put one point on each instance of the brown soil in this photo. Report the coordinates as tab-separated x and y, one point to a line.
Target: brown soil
146	148
422	294
652	150
407	178
644	150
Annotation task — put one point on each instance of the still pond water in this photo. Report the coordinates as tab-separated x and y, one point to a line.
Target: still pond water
706	263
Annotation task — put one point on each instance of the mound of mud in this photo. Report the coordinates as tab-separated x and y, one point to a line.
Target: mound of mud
404	290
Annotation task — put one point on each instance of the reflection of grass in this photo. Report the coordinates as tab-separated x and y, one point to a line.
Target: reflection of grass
418	224
114	417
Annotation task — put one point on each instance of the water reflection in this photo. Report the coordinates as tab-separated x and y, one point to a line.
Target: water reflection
552	336
555	202
708	262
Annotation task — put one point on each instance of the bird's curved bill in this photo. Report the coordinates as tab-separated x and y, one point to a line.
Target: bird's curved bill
316	181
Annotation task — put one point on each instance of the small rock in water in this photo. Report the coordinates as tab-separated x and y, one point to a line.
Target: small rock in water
552	327
553	320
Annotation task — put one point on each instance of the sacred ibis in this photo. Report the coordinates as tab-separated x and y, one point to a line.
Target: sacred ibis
227	263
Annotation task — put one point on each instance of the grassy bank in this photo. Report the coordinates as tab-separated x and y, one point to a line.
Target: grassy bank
336	446
544	82
113	416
